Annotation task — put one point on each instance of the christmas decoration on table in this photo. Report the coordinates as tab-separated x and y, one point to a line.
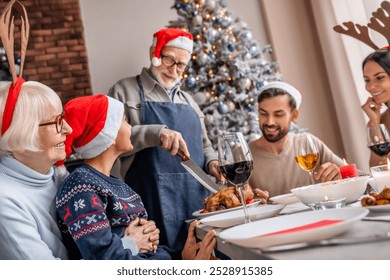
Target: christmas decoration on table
228	67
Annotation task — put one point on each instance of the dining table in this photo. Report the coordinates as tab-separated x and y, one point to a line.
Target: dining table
374	224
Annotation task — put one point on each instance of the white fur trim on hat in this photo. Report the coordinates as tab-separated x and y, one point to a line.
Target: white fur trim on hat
156	61
286	87
182	43
108	134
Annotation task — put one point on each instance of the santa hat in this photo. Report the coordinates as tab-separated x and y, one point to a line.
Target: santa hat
95	121
170	37
287	88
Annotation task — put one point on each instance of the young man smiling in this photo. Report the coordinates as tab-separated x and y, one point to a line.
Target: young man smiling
275	169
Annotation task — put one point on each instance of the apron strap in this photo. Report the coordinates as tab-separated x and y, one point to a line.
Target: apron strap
141	88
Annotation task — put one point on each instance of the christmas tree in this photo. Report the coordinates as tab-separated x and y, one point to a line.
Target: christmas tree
5	74
228	68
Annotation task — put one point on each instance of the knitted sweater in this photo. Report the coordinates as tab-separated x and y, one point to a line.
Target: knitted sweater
28	227
95	210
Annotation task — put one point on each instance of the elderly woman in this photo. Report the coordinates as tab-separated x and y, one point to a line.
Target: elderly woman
102	214
33	131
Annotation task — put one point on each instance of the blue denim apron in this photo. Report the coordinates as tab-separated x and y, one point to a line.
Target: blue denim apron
170	194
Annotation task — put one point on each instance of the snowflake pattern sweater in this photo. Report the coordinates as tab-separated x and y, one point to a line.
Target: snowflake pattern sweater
95	210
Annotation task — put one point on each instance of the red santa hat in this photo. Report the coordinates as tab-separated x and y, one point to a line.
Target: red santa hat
95	121
287	88
170	37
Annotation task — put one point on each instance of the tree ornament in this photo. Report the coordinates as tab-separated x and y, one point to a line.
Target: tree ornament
221	88
197	20
231	47
190	82
200	97
245	83
261	84
209	5
209	119
202	58
223	108
231	106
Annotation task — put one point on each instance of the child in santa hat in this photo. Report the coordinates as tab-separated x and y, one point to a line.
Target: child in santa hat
104	216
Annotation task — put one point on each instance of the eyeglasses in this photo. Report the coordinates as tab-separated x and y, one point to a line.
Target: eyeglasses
59	122
169	62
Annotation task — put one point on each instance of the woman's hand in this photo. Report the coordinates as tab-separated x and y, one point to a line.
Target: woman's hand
198	250
372	111
150	228
135	231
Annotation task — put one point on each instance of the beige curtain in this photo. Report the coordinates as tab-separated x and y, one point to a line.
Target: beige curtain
343	57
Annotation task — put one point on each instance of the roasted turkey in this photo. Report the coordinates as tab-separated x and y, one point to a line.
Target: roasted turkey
226	198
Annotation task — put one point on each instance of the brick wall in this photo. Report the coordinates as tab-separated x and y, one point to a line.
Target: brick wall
56	53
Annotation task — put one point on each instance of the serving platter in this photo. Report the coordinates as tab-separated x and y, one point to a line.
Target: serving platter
288	198
199	214
378	208
236	217
294	228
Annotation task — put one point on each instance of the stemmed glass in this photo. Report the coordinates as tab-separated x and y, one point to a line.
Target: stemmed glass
235	162
378	140
307	155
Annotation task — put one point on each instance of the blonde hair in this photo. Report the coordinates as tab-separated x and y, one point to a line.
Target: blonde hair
36	104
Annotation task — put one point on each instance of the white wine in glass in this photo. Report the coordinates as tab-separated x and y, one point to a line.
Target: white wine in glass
307	155
235	162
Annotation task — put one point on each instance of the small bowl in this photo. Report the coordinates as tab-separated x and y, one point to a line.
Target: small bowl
350	189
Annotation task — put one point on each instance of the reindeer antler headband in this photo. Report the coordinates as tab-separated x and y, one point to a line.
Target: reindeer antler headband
379	22
7	37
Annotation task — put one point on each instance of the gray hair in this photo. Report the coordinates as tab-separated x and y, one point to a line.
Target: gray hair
36	104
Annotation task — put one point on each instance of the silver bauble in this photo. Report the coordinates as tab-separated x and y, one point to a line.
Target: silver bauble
209	5
202	58
197	20
231	106
199	97
245	83
223	108
208	119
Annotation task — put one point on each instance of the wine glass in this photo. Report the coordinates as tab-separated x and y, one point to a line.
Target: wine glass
235	162
307	155
378	140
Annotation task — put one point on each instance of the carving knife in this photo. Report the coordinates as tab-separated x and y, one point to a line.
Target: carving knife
197	172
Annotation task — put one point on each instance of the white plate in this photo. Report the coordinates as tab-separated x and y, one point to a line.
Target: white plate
288	198
374	208
378	208
266	233
199	215
237	217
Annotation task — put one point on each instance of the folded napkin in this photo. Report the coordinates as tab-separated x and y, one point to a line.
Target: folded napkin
305	227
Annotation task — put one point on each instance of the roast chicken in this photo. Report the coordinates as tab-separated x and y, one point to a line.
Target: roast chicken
226	198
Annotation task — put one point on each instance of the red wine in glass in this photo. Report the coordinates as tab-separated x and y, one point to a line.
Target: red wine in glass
235	162
378	140
381	149
237	172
